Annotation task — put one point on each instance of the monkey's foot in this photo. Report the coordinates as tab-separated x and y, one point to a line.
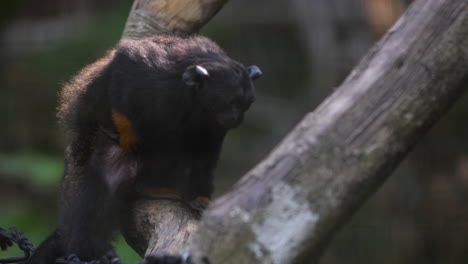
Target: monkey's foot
110	258
70	259
200	204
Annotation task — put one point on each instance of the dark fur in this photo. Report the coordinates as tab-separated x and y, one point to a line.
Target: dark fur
179	129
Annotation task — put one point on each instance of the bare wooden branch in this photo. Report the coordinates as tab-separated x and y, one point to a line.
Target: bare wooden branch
179	17
159	226
288	207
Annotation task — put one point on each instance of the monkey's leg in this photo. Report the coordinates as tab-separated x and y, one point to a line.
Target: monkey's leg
201	183
205	158
91	217
204	163
95	193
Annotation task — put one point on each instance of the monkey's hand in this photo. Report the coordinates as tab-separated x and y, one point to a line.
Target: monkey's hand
199	205
167	259
171	259
110	258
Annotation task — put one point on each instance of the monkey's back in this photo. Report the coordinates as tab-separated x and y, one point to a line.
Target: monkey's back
84	104
162	54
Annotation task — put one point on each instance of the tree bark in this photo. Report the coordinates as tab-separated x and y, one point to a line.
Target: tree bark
287	208
159	226
158	17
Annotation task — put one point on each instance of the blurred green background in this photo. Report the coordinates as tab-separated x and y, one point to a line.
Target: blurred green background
304	47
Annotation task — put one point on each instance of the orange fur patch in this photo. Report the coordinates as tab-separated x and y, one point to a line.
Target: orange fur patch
204	199
162	40
127	138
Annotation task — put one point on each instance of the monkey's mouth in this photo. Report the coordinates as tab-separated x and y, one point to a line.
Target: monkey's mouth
229	120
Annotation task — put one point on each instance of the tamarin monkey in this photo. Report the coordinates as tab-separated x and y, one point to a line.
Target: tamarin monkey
152	113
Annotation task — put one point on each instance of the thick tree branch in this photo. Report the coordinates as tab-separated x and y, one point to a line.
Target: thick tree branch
288	207
159	226
180	17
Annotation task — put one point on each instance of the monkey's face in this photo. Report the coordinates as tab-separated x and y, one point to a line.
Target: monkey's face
225	91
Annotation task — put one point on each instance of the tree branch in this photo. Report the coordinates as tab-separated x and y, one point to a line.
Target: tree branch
156	227
180	17
288	207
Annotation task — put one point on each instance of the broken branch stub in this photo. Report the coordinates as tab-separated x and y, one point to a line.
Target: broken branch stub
174	17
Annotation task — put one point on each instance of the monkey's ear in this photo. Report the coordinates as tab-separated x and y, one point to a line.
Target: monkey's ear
194	75
254	72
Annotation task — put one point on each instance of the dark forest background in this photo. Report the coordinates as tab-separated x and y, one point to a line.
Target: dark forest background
305	48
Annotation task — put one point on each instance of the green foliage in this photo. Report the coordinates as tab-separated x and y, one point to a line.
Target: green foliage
43	173
85	46
125	252
33	223
39	170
